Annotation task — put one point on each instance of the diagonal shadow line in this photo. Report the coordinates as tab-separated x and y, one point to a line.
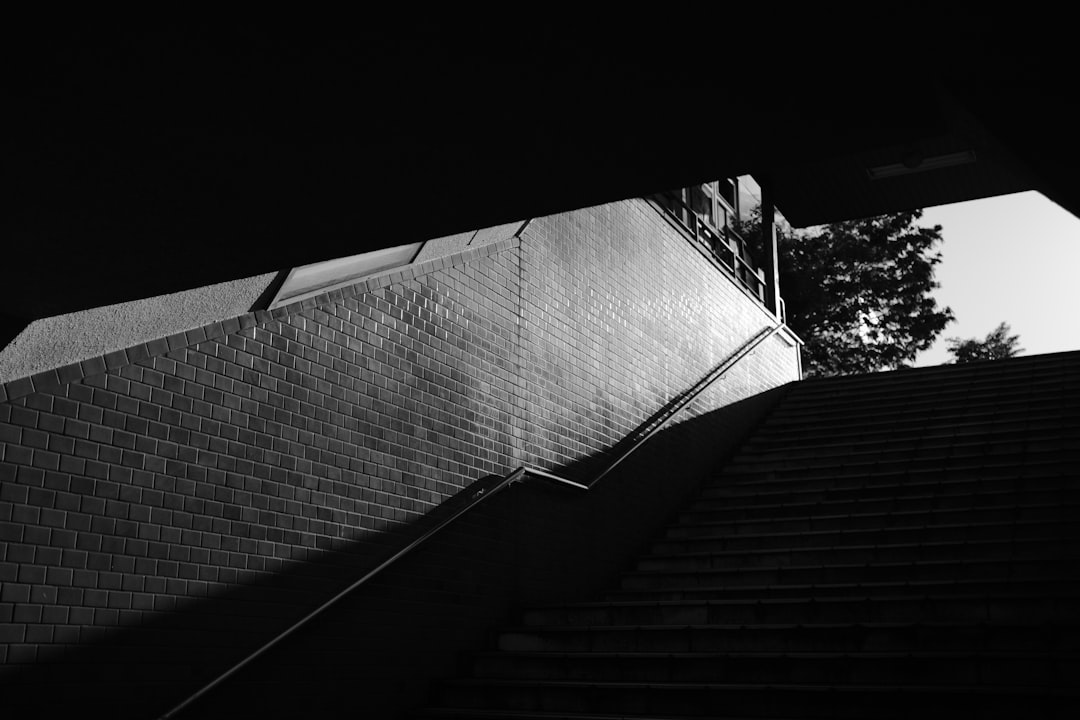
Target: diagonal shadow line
622	449
635	440
128	649
562	547
537	543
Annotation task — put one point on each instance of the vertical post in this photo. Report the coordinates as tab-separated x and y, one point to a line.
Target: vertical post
768	238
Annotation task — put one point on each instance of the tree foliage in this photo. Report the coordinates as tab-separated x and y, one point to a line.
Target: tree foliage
998	344
858	292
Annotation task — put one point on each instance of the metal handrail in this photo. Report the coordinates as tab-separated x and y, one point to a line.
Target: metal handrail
652	426
692	394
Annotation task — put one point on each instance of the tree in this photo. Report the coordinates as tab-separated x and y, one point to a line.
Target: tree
858	292
997	345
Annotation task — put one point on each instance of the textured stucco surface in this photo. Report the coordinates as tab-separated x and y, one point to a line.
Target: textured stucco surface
441	247
64	339
495	233
57	341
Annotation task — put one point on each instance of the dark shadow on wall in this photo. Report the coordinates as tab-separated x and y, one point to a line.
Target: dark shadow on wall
267	296
376	652
10	327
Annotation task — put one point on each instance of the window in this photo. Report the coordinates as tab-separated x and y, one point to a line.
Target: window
309	280
710	212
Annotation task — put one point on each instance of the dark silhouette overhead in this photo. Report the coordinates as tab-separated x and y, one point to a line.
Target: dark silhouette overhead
151	162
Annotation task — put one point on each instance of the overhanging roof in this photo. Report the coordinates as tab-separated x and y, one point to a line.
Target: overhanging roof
156	162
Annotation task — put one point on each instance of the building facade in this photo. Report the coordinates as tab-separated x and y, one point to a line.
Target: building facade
172	504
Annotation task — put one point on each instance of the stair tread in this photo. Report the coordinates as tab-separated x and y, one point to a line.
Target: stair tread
555	715
784	421
855	531
869	546
921	491
761	482
942	473
810	463
869	563
997	689
847	598
957	406
936	489
529	629
917	585
892	513
929	439
793	654
974	461
830	504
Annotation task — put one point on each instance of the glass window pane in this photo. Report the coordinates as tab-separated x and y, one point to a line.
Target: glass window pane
316	277
727	192
702	204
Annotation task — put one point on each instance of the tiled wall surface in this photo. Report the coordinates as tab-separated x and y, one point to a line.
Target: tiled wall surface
141	485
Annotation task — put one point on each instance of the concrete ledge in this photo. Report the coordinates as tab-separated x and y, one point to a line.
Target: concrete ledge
52	379
62	342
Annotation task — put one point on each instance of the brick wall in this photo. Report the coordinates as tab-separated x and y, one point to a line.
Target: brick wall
169	505
615	327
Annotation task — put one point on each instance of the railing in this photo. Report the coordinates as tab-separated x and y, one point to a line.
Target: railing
725	244
634	441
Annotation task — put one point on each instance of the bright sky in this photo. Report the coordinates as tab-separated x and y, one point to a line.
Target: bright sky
1013	258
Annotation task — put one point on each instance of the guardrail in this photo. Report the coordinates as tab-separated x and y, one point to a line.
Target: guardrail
633	441
725	244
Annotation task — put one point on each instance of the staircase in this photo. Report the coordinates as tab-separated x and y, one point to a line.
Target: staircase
896	545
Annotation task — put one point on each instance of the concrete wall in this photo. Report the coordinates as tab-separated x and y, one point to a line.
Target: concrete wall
65	339
164	507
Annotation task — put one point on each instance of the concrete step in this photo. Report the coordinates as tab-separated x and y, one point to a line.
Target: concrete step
934	417
849	475
920	438
1050	586
854	668
868	476
874	390
1048	433
908	434
1001	515
941	419
780	637
943	463
980	385
719	494
751	700
923	570
1015	607
920	533
797	408
1057	367
1048	418
1011	550
958	406
482	714
899	545
984	441
707	510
